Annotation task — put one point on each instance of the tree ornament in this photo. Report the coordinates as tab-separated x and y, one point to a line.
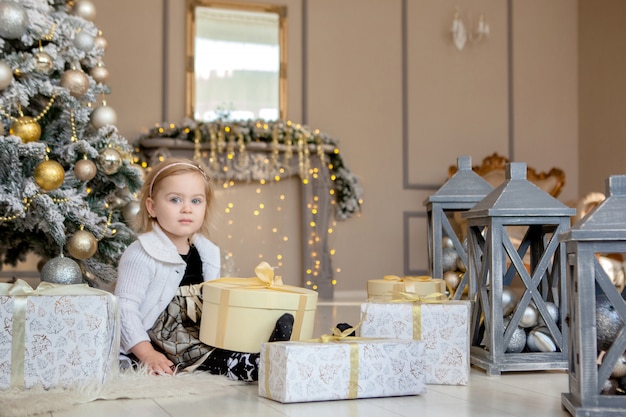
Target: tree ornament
85	170
82	245
6	75
448	260
530	317
540	340
1	129
509	300
84	41
43	63
26	128
518	340
101	41
109	161
608	323
84	9
76	82
452	279
130	211
99	73
103	116
49	175
13	20
61	270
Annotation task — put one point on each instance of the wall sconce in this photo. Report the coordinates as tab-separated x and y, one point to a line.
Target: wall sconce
460	34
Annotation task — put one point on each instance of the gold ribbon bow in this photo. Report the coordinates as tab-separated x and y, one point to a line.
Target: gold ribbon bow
265	272
20	290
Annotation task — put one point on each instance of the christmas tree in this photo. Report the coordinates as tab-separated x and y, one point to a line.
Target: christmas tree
67	178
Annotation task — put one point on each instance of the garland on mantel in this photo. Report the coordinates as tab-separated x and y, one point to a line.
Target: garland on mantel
280	137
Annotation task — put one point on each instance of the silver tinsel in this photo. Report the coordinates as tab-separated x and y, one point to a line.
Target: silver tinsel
61	270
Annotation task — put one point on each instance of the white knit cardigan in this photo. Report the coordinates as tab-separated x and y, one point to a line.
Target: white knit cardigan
149	273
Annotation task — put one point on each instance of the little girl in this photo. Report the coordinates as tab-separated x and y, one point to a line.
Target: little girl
166	264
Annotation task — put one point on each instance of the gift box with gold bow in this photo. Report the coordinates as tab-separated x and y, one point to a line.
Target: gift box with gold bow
343	369
56	335
442	325
383	289
240	314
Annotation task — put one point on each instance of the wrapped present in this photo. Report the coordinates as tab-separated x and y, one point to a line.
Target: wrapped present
384	289
240	314
442	325
338	370
56	335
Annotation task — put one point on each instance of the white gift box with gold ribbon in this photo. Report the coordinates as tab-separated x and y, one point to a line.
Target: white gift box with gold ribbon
338	370
56	335
381	289
442	325
240	314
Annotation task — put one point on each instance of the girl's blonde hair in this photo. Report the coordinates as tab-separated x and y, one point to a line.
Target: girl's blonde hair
143	222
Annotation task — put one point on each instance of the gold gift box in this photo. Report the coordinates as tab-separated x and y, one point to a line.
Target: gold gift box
419	285
240	314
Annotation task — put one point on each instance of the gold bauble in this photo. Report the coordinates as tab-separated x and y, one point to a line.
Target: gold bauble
109	161
85	9
43	63
26	128
103	116
100	74
82	245
85	170
49	175
130	211
76	82
101	42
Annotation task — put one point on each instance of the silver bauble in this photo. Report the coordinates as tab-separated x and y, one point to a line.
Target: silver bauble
43	63
610	387
13	20
518	339
6	75
84	41
540	340
109	161
76	82
530	316
509	300
85	9
448	259
130	211
61	270
608	323
100	74
446	242
103	116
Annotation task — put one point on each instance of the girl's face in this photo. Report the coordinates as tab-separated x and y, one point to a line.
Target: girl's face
179	205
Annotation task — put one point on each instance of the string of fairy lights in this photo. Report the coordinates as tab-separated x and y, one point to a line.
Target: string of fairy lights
263	156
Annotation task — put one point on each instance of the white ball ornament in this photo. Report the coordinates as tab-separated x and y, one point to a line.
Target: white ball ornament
530	317
6	75
103	116
84	41
13	20
540	340
85	9
448	259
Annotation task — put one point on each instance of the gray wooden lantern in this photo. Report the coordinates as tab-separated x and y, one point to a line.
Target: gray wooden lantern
508	279
460	193
600	232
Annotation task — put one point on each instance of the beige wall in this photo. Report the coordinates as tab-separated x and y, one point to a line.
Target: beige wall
602	84
399	135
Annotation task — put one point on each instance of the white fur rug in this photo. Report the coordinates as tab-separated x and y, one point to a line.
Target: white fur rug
130	384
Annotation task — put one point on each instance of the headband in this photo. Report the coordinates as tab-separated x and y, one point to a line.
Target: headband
206	177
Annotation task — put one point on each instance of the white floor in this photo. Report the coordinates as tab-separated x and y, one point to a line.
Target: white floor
525	394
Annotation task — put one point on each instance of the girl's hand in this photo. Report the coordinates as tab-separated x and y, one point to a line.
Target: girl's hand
156	362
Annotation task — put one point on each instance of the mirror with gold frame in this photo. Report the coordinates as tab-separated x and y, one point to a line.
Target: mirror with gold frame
236	61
